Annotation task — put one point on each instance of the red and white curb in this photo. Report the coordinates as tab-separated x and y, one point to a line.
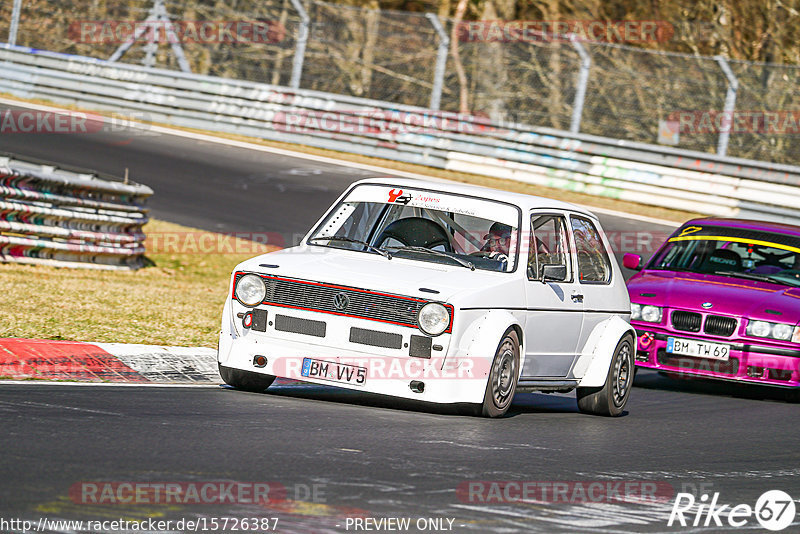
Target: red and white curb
22	359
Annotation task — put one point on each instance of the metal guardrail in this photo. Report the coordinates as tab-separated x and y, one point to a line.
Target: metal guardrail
649	174
66	218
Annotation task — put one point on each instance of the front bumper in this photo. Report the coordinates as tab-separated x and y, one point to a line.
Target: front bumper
770	365
449	376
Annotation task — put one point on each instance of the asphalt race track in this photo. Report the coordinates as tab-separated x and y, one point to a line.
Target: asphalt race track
336	456
373	457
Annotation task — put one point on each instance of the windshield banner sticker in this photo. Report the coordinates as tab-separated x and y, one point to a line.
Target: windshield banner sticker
461	205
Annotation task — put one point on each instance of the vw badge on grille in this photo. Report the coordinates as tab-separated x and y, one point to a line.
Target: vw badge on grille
341	301
707	305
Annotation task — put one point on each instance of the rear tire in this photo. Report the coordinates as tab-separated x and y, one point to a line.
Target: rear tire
502	382
245	380
610	399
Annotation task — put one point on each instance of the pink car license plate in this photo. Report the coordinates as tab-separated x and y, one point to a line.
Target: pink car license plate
700	349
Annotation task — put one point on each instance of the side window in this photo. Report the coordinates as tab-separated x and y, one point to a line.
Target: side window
548	246
593	262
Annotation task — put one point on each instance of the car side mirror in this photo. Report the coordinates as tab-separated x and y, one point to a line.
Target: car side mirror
557	273
632	261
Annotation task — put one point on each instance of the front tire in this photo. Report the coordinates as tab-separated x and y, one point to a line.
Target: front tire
502	382
245	380
610	399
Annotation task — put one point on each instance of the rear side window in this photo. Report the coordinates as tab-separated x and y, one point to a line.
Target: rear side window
593	263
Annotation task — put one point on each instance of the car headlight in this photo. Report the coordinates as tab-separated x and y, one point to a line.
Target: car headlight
651	314
433	319
646	313
251	290
780	331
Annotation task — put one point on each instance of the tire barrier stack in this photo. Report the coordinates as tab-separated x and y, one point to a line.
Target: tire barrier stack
67	218
649	174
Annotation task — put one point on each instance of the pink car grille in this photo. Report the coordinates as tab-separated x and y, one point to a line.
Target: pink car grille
715	325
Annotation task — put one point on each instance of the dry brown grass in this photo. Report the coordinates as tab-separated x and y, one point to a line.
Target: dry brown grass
178	301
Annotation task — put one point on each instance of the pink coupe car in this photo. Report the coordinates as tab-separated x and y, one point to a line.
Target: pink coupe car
721	299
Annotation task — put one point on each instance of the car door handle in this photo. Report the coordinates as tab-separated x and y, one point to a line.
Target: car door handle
577	297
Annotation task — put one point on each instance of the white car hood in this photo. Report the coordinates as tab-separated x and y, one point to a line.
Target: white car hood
375	272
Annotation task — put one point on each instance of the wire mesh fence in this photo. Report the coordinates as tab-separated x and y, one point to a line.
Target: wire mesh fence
630	93
631	90
527	83
381	55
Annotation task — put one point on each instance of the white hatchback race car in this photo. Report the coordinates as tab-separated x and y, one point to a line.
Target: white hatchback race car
437	292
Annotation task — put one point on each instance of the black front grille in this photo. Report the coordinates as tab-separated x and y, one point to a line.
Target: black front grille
374	338
358	303
719	326
296	325
729	367
686	321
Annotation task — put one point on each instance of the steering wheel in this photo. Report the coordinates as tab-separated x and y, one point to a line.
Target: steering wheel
416	232
497	256
480	254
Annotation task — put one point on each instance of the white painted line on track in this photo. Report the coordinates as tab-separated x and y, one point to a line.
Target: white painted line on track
56	406
106	384
311	157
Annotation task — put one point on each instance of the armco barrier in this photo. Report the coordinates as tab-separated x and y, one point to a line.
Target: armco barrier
55	216
649	174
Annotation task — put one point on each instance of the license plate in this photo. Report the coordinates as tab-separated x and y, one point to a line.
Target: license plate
701	349
334	372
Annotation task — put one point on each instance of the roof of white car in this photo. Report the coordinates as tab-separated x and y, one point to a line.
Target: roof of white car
519	199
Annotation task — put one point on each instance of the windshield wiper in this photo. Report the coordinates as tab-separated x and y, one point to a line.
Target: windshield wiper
468	264
749	276
380	251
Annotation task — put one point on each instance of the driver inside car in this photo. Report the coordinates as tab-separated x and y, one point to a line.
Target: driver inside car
498	240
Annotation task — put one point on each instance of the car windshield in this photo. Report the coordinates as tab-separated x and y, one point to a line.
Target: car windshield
427	226
732	252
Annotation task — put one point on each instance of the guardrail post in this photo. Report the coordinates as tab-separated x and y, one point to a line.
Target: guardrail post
583	80
730	105
300	48
441	61
12	30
